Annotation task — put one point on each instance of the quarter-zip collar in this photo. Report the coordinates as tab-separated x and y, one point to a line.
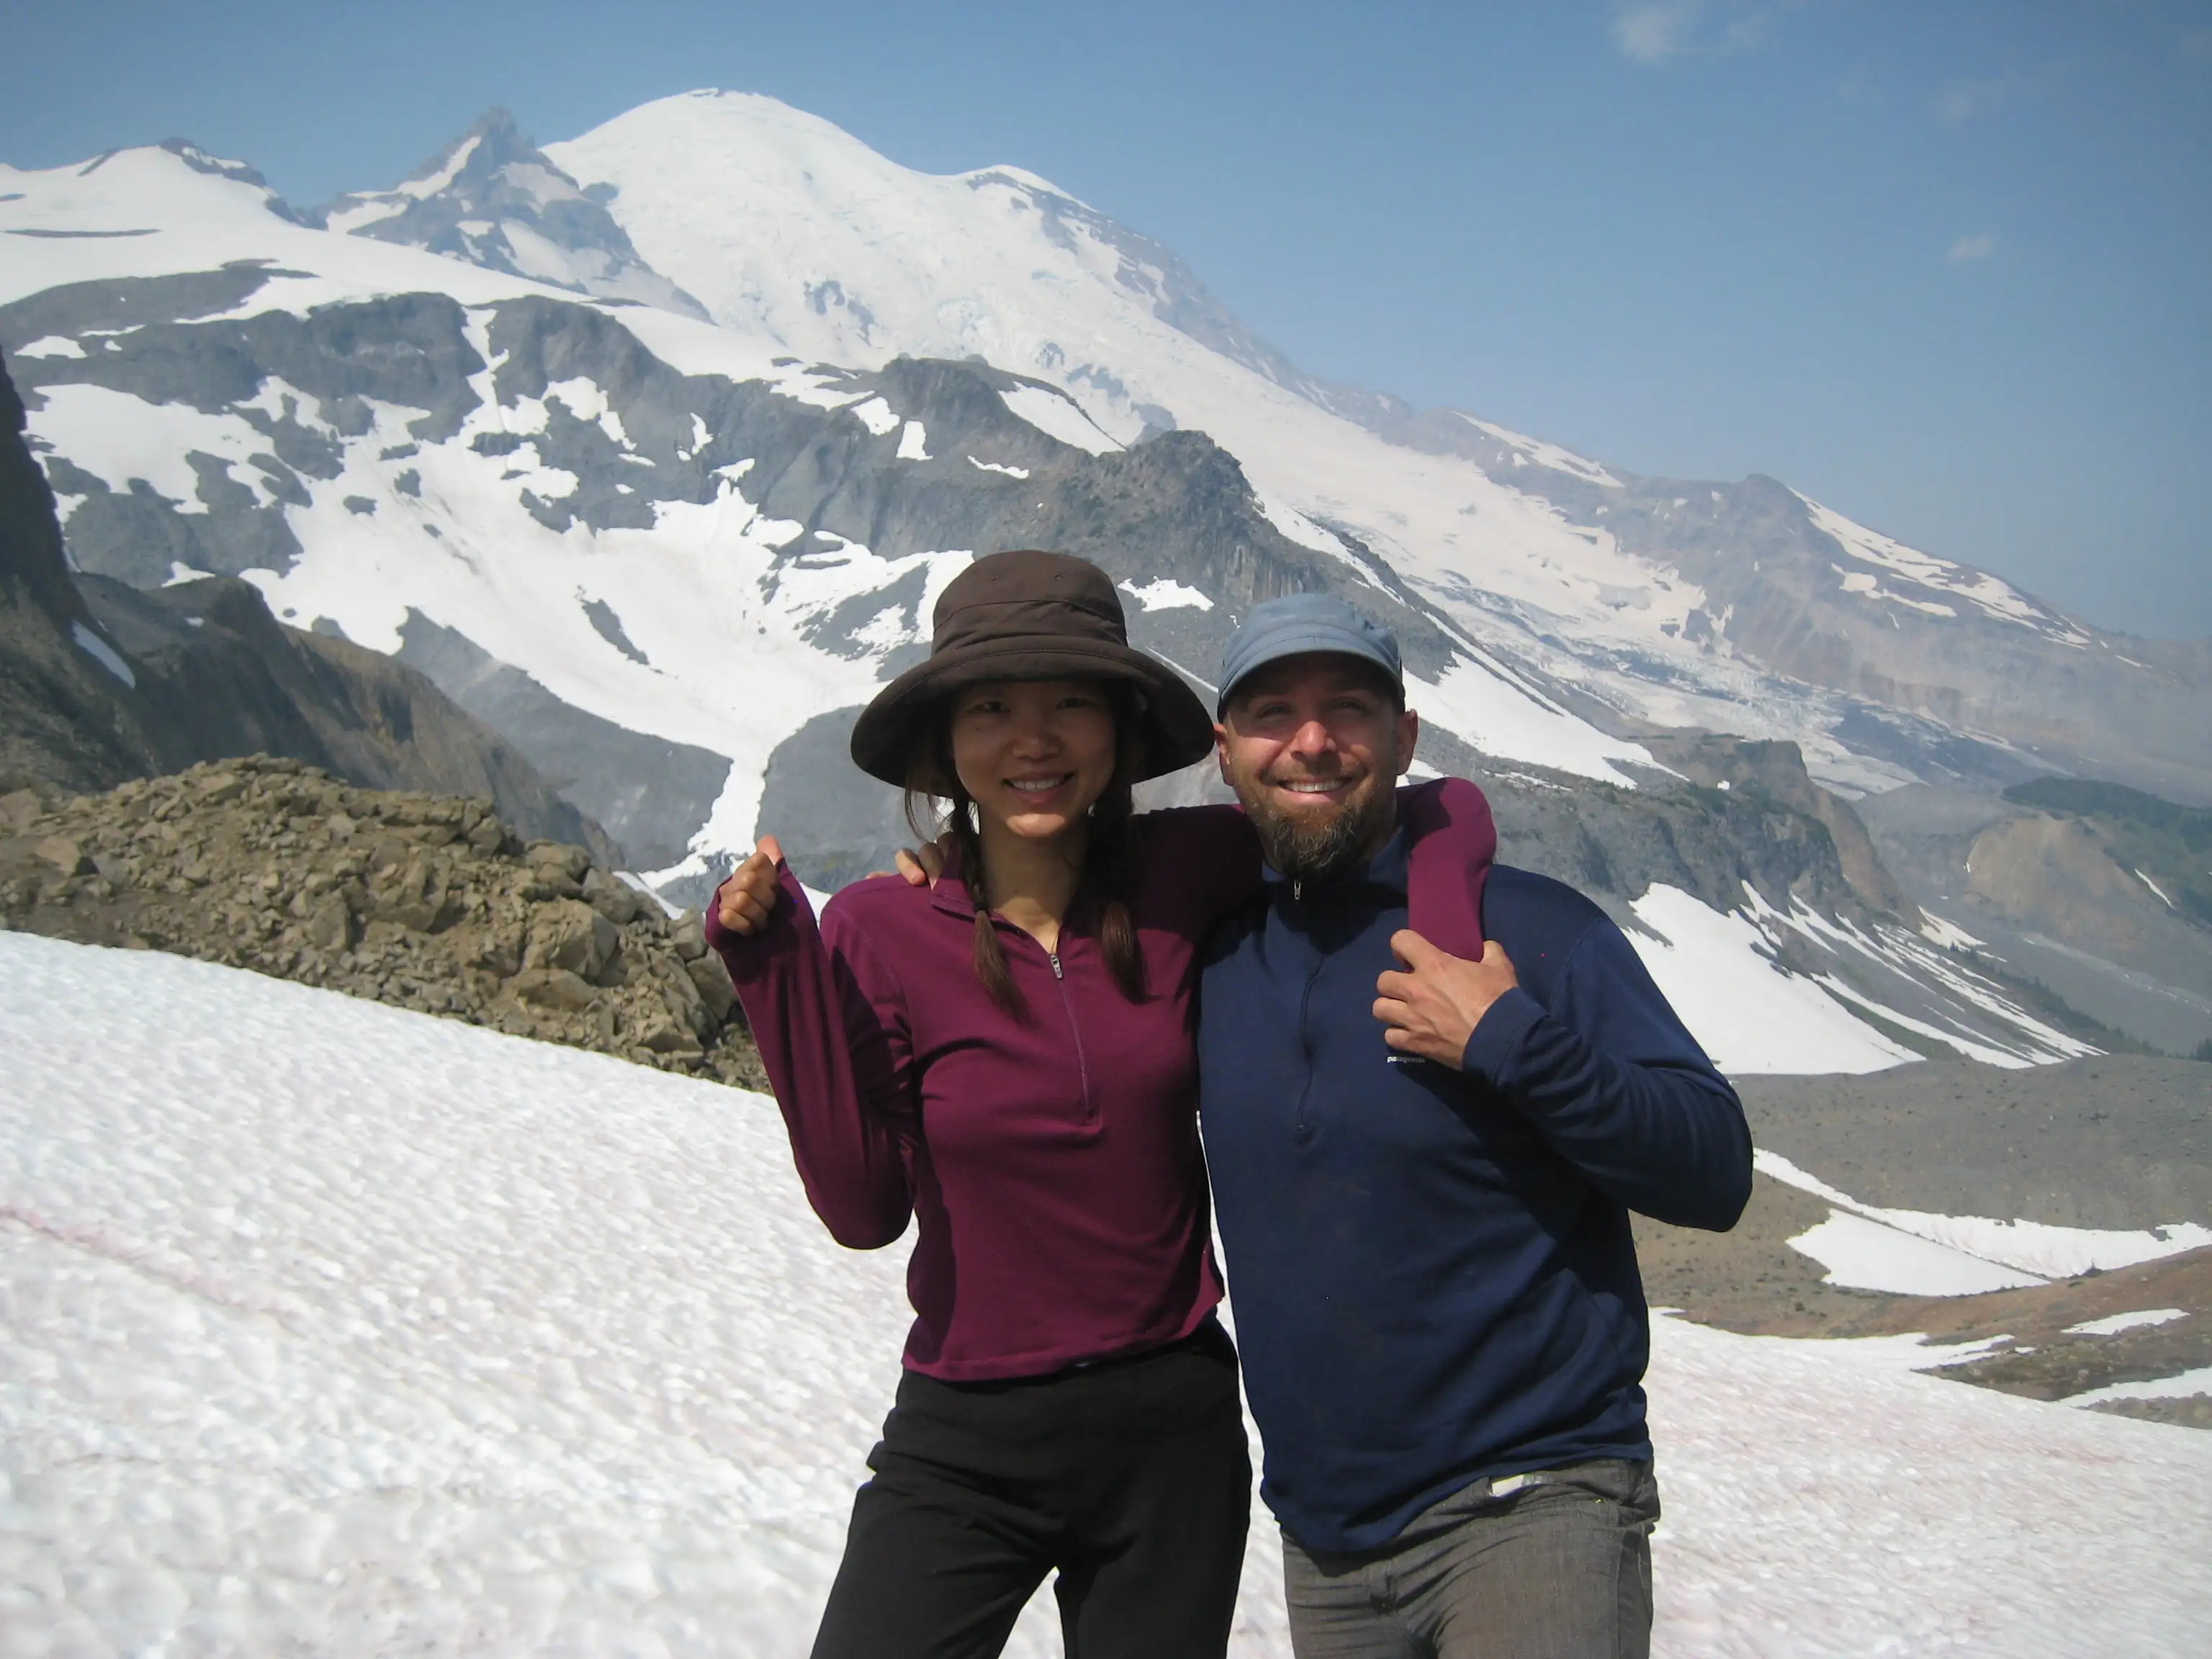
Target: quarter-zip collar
949	894
1390	870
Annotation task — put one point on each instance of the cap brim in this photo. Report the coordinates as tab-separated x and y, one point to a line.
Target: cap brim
1299	641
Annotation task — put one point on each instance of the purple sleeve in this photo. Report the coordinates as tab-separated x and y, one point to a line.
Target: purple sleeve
1452	843
831	1027
1214	857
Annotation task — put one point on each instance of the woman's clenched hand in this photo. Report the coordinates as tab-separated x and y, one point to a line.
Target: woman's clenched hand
744	901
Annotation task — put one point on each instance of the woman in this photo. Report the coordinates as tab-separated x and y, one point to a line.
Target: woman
1008	1057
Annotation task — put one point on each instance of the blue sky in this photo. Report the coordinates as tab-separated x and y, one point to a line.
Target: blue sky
1943	265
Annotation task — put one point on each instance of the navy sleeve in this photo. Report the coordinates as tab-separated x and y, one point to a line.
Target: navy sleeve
1619	1087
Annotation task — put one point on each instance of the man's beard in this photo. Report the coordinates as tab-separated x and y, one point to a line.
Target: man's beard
1310	844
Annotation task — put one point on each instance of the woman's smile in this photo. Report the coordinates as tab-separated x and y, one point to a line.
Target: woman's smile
1033	754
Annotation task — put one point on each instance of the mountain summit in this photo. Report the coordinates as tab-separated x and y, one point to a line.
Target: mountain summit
493	199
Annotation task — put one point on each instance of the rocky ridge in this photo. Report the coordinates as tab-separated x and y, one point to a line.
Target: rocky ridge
101	682
424	902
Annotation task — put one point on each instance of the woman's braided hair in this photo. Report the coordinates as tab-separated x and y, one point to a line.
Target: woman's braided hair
1108	877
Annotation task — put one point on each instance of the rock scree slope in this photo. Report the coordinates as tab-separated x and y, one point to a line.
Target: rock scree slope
423	902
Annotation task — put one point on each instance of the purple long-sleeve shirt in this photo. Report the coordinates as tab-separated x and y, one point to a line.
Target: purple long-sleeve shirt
1052	1161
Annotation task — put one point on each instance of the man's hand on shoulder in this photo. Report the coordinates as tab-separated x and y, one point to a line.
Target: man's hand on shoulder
1431	1007
918	866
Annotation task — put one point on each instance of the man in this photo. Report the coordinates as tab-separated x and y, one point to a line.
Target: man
1422	1167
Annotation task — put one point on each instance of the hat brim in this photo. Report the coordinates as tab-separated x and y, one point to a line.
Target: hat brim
1177	729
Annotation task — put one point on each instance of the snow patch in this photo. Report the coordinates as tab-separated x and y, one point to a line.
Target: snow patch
1057	415
994	466
1865	1256
2183	1386
2113	1324
104	654
1500	716
53	345
2030	1247
1719	973
914	442
1295	526
119	438
1945	935
2154	888
1165	593
1549	454
876	414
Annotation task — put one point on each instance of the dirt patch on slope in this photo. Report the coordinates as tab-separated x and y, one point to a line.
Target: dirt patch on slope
1751	1281
2121	1141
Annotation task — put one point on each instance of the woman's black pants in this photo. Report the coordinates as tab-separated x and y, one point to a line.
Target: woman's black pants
1129	1477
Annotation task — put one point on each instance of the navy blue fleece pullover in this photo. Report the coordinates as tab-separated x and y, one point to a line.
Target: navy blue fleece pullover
1430	1271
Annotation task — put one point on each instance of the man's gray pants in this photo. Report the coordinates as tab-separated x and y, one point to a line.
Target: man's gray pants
1556	1565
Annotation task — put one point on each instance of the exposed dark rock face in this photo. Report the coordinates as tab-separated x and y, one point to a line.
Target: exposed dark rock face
1776	770
2100	902
65	718
837	824
1616	844
424	902
235	681
101	682
649	793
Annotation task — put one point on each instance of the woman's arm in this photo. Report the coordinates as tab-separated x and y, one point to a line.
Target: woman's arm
831	1028
1450	844
1212	854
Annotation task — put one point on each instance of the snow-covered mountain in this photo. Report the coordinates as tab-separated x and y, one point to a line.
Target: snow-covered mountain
670	555
1740	607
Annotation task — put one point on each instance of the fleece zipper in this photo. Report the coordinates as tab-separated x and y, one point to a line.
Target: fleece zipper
1301	1131
1075	1029
1068	1003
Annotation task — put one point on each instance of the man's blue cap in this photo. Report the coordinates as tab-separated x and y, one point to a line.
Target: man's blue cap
1299	623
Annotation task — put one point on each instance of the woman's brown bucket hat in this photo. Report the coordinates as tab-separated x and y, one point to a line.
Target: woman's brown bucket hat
1030	616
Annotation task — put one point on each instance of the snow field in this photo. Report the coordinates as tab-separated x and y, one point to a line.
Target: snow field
1822	1499
104	654
332	1327
726	666
329	1327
